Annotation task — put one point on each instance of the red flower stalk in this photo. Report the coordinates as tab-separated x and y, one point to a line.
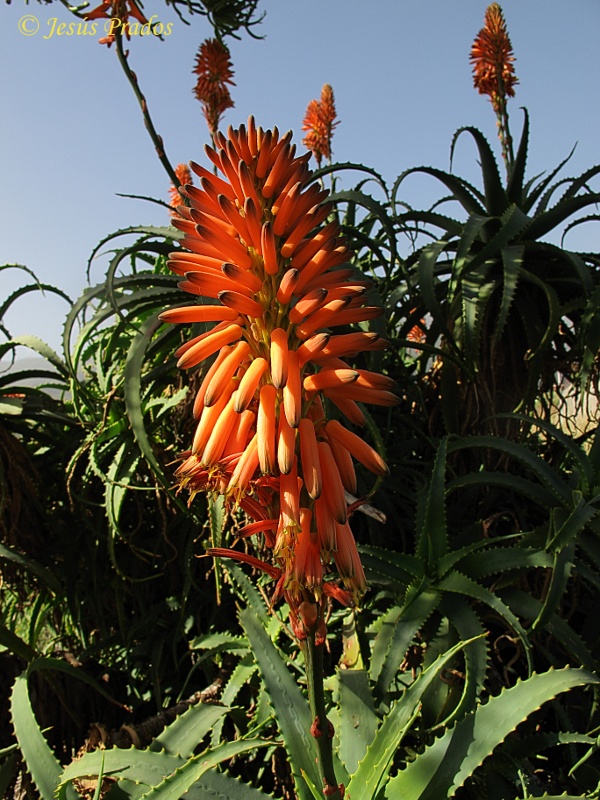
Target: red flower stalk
256	241
319	121
215	73
184	176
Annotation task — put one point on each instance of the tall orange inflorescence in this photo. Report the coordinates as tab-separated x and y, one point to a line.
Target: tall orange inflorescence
257	241
492	60
215	75
319	121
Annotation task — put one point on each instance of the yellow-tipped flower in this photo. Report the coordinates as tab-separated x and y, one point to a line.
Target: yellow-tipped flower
492	59
264	439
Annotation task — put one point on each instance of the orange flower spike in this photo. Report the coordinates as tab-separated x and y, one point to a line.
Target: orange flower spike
287	286
289	498
239	140
292	391
307	570
208	419
345	465
352	343
249	383
262	162
279	357
313	218
492	58
333	489
219	435
238	439
241	276
248	185
207	284
269	249
245	468
312	348
357	447
265	428
286	445
322	318
197	314
279	170
309	458
199	399
307	304
347	406
329	379
208	346
348	561
237	221
230	249
326	529
241	303
283	207
184	176
225	371
253	222
192	342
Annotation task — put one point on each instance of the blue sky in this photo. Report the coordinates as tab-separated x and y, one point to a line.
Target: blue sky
72	135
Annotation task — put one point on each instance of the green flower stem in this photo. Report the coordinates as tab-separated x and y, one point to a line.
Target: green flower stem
313	654
156	139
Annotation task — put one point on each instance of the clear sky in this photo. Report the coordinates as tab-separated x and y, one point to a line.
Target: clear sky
72	135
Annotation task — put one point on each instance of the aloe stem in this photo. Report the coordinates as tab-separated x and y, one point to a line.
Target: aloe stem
321	729
156	139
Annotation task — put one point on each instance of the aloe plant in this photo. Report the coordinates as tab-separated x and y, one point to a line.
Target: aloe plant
510	312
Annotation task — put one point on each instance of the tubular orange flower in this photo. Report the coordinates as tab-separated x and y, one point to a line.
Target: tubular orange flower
264	438
214	70
319	121
492	59
119	11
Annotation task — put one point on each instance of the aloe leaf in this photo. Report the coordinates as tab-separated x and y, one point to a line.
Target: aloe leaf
182	736
375	766
545	473
493	560
215	785
389	568
446	764
398	628
495	196
460	584
249	592
432	543
290	706
357	721
468	196
477	287
41	572
42	349
427	284
568	523
133	403
516	178
469	628
41	762
512	259
547	221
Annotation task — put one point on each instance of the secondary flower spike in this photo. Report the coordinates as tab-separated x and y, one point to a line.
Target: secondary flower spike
319	121
492	59
275	287
215	75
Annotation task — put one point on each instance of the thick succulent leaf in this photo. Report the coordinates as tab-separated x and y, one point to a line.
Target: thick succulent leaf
30	565
547	221
515	186
373	770
495	196
512	259
444	766
467	624
389	568
357	721
468	196
460	584
290	706
477	287
432	537
426	279
568	523
182	736
398	628
493	560
215	785
545	473
530	607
